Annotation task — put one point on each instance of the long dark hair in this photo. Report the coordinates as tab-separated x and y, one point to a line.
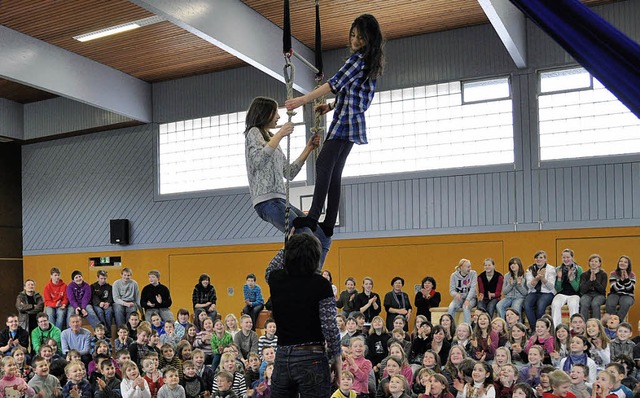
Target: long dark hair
534	268
516	260
260	113
618	271
369	29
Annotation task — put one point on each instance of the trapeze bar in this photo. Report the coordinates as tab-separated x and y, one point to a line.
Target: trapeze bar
307	63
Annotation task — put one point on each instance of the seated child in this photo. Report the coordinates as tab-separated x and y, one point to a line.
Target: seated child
43	381
151	373
530	374
252	373
96	373
139	348
122	356
157	324
617	370
154	343
109	385
77	386
123	341
169	336
398	387
612	321
99	334
192	383
132	325
228	364
269	339
171	387
133	385
436	387
262	387
24	370
268	355
346	382
579	375
223	383
12	381
45	352
560	384
169	358
545	384
101	349
603	385
506	381
622	344
206	373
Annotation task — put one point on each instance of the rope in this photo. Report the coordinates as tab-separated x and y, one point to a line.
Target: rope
289	78
317	127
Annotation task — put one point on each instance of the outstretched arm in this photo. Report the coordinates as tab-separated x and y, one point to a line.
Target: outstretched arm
297	102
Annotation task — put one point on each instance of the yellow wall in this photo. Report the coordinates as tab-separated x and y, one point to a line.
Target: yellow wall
382	259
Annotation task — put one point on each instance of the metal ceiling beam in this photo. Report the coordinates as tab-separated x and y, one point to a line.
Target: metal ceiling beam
237	29
509	23
38	64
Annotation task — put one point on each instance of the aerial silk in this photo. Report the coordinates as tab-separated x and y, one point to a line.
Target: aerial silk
608	54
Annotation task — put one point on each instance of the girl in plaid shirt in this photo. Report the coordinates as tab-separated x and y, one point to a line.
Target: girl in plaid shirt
354	86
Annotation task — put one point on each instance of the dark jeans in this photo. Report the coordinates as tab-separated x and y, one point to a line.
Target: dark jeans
253	312
488	305
329	166
304	372
535	304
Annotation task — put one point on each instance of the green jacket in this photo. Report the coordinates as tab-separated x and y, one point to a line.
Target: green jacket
575	283
39	336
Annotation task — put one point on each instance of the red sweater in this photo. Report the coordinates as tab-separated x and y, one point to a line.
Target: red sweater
550	395
53	293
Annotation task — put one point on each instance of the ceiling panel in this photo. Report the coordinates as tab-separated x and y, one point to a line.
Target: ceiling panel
164	51
22	94
153	53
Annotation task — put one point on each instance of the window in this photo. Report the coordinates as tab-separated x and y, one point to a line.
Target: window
579	117
208	153
434	127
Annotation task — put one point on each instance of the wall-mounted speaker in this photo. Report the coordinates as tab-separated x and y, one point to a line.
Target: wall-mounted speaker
119	232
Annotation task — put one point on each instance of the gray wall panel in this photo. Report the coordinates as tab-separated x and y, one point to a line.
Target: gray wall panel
62	115
11	119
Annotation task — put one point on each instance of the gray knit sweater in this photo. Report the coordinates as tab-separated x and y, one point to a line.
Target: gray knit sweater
266	168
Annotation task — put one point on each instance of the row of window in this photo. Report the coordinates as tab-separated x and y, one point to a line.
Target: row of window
447	125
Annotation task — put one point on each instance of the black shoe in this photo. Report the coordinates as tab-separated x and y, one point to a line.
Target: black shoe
327	229
302	222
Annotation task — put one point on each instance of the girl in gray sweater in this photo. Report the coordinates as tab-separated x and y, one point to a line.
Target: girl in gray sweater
267	165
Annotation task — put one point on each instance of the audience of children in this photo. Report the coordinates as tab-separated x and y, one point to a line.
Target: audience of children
494	356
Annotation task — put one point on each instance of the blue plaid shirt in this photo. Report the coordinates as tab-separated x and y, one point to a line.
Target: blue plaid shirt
353	97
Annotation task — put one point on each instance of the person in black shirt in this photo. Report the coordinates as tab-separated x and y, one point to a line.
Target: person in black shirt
427	297
396	302
304	310
368	302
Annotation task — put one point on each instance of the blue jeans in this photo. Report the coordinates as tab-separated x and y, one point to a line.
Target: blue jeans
57	316
535	304
509	302
92	318
591	301
301	372
164	313
272	211
253	312
625	302
489	306
466	312
121	313
106	317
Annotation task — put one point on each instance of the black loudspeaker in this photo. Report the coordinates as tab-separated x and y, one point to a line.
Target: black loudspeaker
119	232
